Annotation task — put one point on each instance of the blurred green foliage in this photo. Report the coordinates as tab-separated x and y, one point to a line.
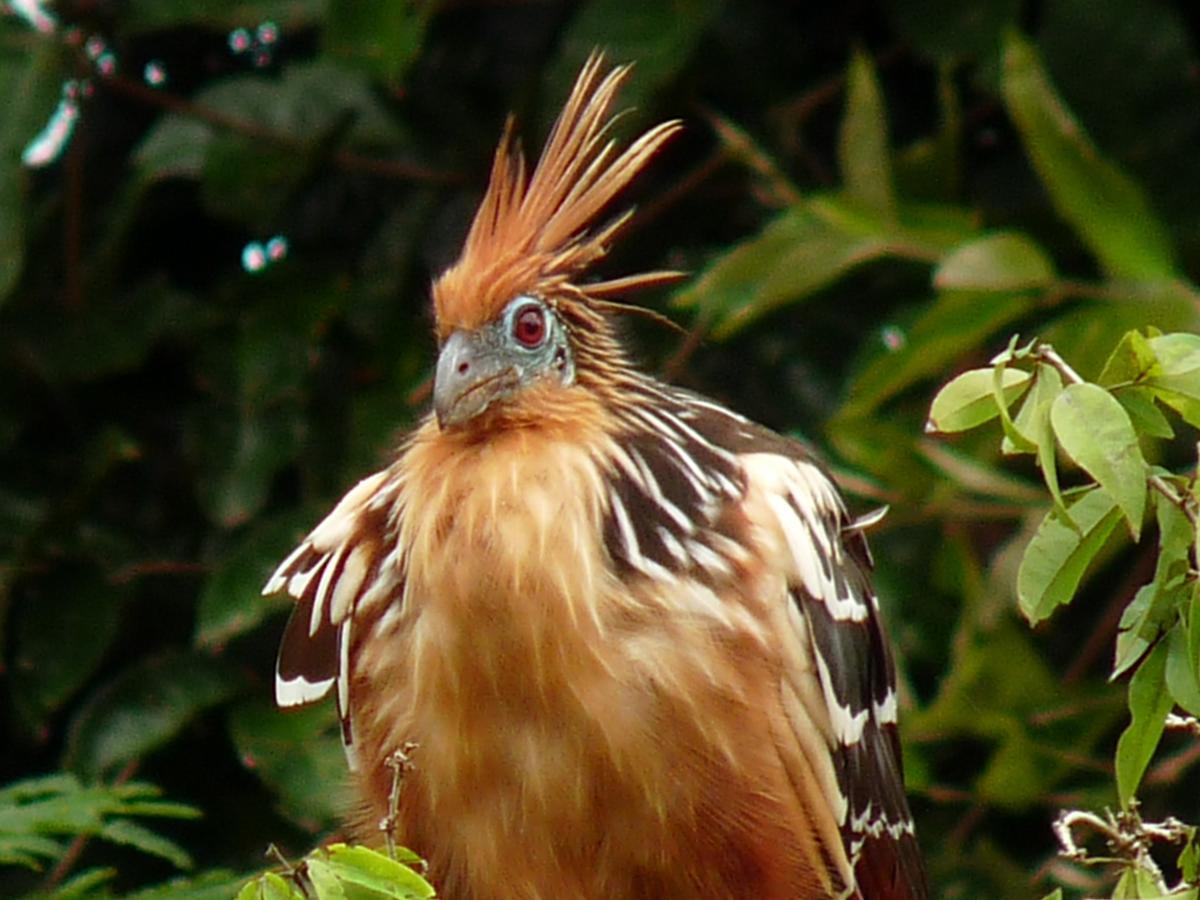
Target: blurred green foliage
873	199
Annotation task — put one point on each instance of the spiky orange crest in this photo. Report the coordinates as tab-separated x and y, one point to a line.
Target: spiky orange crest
533	234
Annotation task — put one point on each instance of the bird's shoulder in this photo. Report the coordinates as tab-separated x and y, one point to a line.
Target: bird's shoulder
684	473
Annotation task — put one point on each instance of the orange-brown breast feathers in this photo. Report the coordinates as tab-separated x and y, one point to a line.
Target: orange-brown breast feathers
534	233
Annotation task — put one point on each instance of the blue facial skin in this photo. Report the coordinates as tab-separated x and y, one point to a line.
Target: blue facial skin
477	369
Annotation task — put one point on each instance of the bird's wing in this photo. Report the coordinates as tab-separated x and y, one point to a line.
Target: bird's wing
335	570
838	690
839	636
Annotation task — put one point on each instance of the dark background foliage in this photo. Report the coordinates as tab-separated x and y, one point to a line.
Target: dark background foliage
171	422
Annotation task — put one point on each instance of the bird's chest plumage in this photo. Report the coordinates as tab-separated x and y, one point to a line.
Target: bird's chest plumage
543	693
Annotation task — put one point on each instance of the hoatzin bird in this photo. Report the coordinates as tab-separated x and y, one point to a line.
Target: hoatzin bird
630	634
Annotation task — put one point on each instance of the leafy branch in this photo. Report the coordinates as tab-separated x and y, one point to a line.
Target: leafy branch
1101	427
339	871
37	815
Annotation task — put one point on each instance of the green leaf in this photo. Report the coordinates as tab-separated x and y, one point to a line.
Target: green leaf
131	834
1162	602
1175	379
659	37
231	601
795	256
1057	557
115	333
380	37
954	320
1033	417
144	707
34	811
341	871
1149	703
973	474
1142	622
1183	679
1143	115
931	168
967	401
382	876
1193	624
245	181
85	885
174	147
1095	431
1144	413
1137	883
1012	436
70	609
271	886
1007	261
326	885
1107	208
314	105
863	153
1092	330
1189	858
253	422
1131	362
809	247
214	884
925	232
31	82
298	754
1036	426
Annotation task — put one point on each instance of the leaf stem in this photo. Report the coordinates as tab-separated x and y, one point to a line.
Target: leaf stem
1164	487
1047	354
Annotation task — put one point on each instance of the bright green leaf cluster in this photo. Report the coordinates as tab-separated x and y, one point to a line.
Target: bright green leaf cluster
38	815
1090	424
340	871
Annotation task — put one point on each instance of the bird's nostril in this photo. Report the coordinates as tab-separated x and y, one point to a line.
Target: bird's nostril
464	368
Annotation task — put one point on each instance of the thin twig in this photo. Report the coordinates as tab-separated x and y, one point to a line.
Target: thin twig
688	346
1189	724
1128	836
400	762
1049	355
1164	487
648	212
419	394
344	159
1171	769
136	570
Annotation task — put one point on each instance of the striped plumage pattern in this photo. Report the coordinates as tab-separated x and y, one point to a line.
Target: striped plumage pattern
631	634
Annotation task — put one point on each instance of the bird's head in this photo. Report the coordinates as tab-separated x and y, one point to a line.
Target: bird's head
515	325
525	345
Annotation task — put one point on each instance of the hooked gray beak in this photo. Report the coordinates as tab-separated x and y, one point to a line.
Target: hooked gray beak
472	373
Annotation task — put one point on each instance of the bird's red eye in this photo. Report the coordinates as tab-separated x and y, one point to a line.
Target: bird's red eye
529	327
